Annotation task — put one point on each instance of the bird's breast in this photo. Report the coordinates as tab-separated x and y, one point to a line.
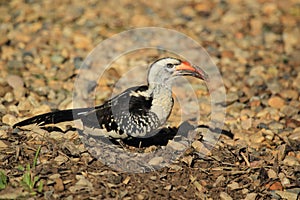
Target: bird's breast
162	107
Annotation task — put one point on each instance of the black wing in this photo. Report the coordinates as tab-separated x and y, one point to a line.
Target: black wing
115	114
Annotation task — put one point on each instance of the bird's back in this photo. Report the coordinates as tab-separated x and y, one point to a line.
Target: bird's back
127	114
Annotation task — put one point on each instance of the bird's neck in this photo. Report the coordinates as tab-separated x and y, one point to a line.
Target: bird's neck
160	90
162	103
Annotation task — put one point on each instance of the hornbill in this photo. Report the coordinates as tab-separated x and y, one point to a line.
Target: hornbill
137	111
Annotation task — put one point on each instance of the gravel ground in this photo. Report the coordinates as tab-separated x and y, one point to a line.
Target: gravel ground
255	45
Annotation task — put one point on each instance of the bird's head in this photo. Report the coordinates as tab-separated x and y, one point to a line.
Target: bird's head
165	69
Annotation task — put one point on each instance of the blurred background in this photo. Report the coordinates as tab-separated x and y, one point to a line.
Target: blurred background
255	45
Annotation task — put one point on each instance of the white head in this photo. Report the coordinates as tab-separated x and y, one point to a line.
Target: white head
165	69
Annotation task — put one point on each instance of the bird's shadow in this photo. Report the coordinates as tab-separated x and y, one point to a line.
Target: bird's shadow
161	138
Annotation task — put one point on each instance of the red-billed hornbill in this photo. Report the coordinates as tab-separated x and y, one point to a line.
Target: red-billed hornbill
135	112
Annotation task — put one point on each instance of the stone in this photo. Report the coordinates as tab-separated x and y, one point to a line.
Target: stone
287	195
276	126
57	59
9	97
291	39
289	110
82	41
291	161
289	94
60	159
225	196
272	174
59	186
295	135
251	196
156	161
54	176
231	97
199	147
15	81
233	185
81	184
9	119
256	26
41	110
246	124
4	144
276	186
276	102
177	145
257	137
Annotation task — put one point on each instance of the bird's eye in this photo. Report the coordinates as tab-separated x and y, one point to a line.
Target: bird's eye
169	65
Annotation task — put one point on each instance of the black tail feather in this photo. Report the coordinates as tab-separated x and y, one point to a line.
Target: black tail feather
53	117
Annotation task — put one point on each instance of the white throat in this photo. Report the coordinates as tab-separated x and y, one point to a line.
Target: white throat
162	103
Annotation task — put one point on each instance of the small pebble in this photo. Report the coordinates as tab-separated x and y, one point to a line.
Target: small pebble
156	161
276	102
9	119
291	161
225	196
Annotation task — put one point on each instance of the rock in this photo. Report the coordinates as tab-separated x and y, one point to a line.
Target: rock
199	147
257	137
71	148
219	180
199	187
204	7
4	144
15	81
291	39
287	195
188	12
54	176
177	145
289	94
289	111
231	97
59	186
60	159
56	135
281	152
9	97
276	186
276	102
284	180
268	134
276	126
233	185
57	59
82	41
25	105
188	160
256	26
225	196
156	161
269	8
140	197
295	135
291	161
274	86
81	184
9	119
41	110
250	196
168	187
246	124
272	174
227	54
